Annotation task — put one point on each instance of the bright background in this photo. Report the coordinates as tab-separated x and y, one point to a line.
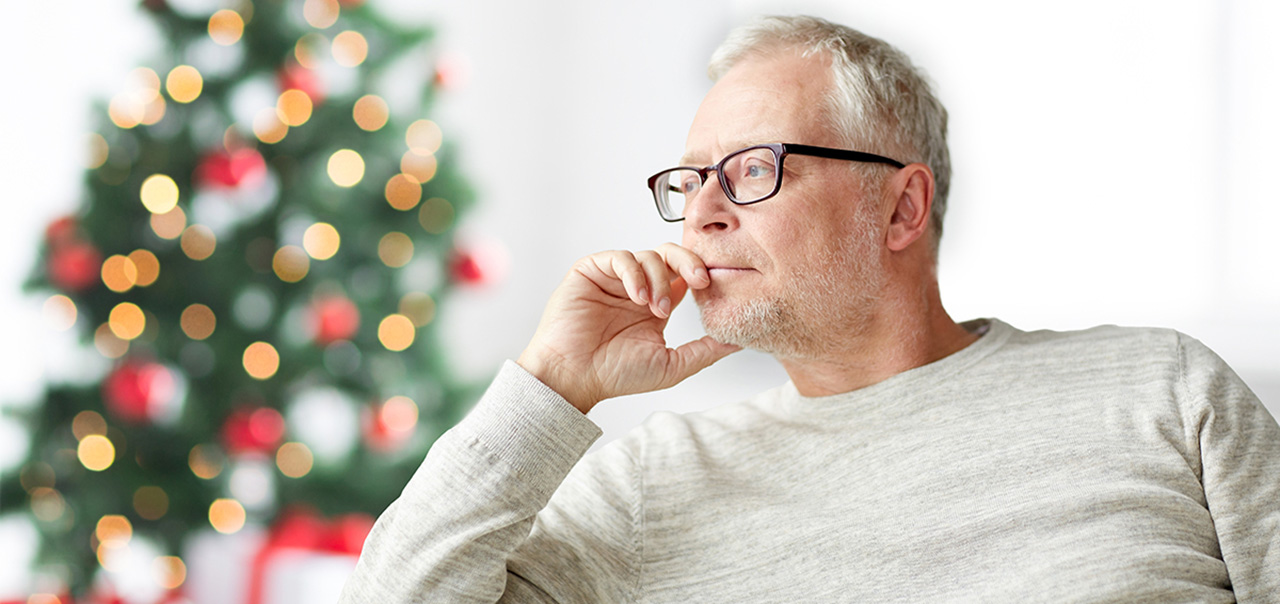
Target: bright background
1114	161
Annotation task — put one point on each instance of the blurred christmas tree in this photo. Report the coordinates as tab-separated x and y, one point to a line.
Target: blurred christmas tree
265	234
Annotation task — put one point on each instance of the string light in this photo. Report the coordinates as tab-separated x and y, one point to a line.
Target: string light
159	193
119	273
226	516
395	249
87	423
198	321
370	112
127	321
291	263
346	168
169	225
294	459
399	414
198	242
226	27
261	361
419	307
350	48
396	332
205	462
293	107
151	502
113	527
170	571
47	504
268	127
421	167
321	241
60	312
147	267
424	137
99	150
96	452
403	192
436	215
320	14
308	48
184	83
108	344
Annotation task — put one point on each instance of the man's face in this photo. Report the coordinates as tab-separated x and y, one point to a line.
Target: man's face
791	270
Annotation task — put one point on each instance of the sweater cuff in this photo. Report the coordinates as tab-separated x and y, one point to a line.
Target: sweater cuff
526	423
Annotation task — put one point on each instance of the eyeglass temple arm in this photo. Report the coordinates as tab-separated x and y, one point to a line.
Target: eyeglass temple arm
830	153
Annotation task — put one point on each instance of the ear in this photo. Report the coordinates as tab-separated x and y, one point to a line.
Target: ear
912	188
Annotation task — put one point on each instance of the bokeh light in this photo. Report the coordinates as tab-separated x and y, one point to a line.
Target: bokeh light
396	332
59	312
291	263
321	241
198	321
205	461
320	14
44	598
198	242
170	571
419	307
127	321
184	83
159	193
98	151
424	137
146	265
294	459
261	361
113	527
371	112
436	215
346	168
119	273
226	27
420	167
87	423
309	49
294	107
395	249
399	414
47	504
126	111
350	48
153	111
96	452
226	515
268	127
151	502
169	225
108	344
403	192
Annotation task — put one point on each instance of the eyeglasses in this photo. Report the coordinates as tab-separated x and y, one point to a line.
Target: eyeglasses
747	176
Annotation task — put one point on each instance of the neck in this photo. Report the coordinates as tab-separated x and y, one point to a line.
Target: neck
906	328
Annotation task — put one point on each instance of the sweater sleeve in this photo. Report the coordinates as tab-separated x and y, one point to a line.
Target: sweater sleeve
1240	455
474	500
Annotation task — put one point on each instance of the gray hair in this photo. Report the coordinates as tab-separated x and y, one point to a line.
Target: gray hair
878	102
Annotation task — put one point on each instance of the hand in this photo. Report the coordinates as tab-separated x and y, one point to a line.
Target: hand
601	333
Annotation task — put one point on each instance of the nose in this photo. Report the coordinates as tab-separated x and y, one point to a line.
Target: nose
710	211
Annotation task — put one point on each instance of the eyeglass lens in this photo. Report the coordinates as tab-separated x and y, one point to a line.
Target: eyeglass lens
750	175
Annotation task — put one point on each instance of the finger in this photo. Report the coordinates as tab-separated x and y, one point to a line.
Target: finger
696	356
659	276
688	264
622	267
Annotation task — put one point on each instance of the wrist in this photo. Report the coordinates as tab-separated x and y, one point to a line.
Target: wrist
545	371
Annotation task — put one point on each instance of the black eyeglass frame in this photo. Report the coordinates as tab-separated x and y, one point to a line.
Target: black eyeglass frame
780	152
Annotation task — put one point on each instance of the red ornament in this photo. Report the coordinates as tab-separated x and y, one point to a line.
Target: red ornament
477	265
296	77
332	318
138	391
231	169
74	266
62	231
253	430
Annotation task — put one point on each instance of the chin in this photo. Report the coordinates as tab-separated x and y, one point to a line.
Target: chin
764	325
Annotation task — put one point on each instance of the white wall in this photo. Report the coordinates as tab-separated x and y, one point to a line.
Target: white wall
1111	158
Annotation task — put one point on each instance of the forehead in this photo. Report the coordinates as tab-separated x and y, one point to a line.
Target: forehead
779	97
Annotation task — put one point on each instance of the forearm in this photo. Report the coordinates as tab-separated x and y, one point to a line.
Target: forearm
473	500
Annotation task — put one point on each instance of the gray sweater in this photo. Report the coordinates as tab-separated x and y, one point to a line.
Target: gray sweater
1107	465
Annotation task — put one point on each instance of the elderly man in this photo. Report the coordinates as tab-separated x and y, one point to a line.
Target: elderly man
909	458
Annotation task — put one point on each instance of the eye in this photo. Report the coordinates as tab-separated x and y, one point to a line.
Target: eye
690	184
757	169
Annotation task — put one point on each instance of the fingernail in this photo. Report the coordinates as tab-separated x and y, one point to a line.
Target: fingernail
665	306
701	274
643	295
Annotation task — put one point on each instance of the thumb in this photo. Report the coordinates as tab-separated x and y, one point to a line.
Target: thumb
694	357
